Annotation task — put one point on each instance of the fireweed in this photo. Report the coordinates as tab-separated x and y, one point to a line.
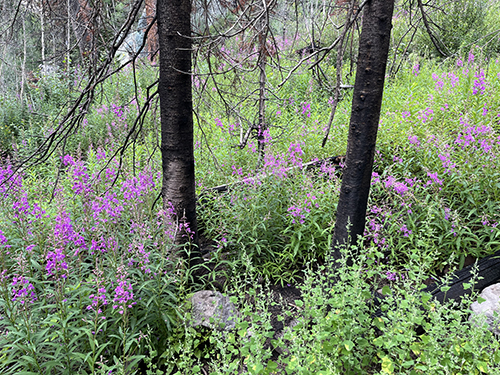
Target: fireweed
86	274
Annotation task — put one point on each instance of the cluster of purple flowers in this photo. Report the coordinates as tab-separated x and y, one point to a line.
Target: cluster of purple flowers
3	240
306	109
56	263
399	187
481	134
22	290
81	179
426	115
299	212
479	83
414	140
98	301
139	256
123	292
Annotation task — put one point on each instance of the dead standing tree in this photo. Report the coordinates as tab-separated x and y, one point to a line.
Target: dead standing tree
249	22
152	38
367	100
262	32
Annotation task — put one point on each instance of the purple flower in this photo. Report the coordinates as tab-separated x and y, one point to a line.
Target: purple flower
375	178
439	83
98	300
237	171
426	115
391	276
56	263
400	188
414	140
64	234
123	292
447	212
434	178
485	109
453	79
406	232
3	239
471	57
294	154
479	83
22	290
416	69
306	109
219	123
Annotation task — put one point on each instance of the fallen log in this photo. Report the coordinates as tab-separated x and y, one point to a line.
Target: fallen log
488	270
488	273
334	160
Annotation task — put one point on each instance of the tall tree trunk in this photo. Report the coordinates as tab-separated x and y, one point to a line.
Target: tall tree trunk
365	115
42	32
23	63
176	105
83	22
68	39
152	38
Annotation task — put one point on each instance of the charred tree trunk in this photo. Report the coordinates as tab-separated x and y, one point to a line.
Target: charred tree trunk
365	115
83	22
176	105
152	38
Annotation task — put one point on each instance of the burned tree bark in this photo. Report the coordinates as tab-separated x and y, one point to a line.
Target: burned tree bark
176	105
83	20
365	115
152	38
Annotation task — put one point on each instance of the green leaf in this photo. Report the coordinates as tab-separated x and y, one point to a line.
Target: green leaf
256	369
496	356
386	290
482	366
271	366
426	297
379	323
91	340
425	339
408	364
348	344
387	365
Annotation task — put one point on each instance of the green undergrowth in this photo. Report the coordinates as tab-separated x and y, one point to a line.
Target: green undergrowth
332	328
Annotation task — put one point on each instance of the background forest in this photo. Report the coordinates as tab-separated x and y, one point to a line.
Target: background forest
93	278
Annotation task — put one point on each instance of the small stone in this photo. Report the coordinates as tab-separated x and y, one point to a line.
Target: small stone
213	310
488	308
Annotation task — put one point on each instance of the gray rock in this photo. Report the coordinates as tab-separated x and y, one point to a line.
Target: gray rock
488	308
213	310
